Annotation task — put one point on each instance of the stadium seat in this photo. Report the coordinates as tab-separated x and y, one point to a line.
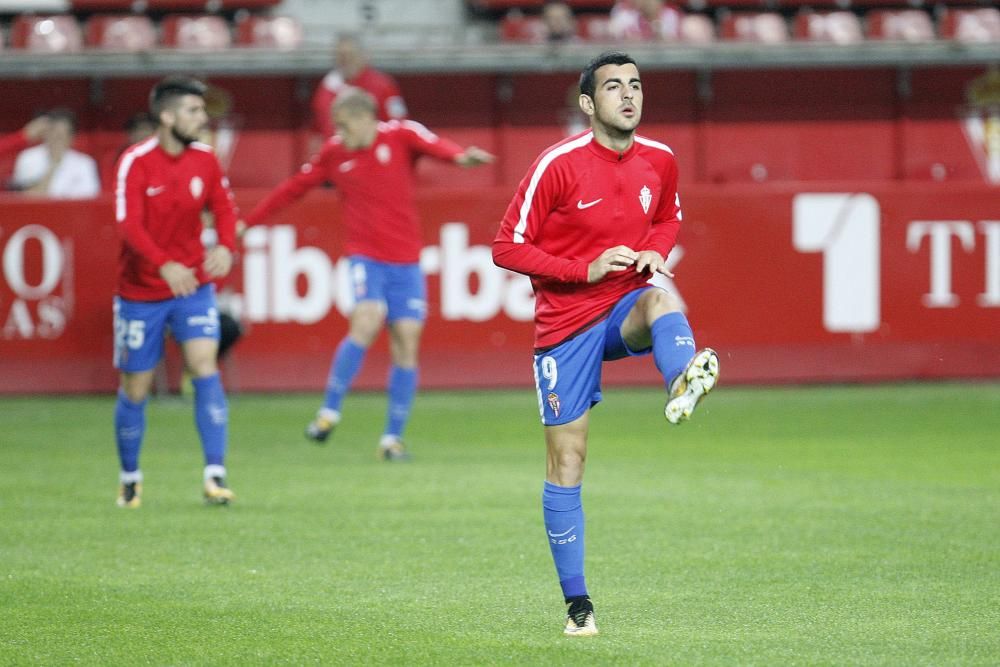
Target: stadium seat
743	5
971	25
901	25
817	5
198	31
269	32
866	5
501	5
516	27
594	27
760	27
697	29
156	6
114	32
57	33
830	27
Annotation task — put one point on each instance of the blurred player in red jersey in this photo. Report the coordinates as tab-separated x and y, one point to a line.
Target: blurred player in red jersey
165	277
591	223
371	164
353	71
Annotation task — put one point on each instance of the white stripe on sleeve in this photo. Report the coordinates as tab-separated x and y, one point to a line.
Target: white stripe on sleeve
529	194
653	144
122	175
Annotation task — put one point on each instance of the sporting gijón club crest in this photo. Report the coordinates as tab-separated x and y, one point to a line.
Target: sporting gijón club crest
645	198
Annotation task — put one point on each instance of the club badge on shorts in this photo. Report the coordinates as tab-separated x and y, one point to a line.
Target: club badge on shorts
554	405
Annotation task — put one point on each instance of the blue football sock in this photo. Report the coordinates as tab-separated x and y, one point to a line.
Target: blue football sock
211	415
346	364
563	513
673	345
130	426
402	389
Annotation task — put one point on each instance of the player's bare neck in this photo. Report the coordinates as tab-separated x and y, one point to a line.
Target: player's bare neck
619	142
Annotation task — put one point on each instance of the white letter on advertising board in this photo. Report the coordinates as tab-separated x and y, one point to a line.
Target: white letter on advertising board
845	227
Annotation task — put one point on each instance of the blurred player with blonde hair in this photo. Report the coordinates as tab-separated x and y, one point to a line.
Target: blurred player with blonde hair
371	164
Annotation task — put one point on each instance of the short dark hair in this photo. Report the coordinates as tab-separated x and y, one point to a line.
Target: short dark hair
62	114
138	120
588	82
167	91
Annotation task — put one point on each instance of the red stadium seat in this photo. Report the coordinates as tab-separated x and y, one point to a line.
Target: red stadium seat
198	31
902	25
697	29
971	25
760	27
830	27
895	4
167	5
46	34
269	32
516	27
494	5
594	27
114	32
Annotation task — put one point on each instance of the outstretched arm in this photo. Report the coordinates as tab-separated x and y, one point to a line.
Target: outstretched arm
291	189
473	156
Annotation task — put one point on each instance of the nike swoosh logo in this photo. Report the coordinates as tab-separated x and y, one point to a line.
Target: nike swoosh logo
152	192
551	534
580	205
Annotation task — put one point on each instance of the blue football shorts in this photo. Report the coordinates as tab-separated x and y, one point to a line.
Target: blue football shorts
568	376
401	288
140	326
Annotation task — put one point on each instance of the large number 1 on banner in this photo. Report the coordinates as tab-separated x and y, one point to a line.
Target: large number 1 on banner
845	228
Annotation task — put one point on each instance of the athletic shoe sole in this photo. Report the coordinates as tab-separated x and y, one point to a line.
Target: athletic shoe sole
697	380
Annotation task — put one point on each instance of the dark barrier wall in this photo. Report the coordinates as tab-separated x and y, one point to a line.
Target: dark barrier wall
937	124
791	283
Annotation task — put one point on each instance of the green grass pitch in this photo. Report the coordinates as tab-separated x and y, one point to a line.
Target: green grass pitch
781	526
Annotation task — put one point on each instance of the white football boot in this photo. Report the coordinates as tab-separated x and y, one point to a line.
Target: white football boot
692	385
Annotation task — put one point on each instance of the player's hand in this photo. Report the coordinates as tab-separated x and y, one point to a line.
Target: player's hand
218	261
618	258
474	156
35	130
650	261
181	279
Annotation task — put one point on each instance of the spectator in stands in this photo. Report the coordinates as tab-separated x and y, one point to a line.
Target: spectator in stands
559	22
646	20
31	133
140	127
53	169
353	70
573	119
371	164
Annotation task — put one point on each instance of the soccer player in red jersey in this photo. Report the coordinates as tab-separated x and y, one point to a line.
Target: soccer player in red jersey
591	223
353	71
165	277
371	164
